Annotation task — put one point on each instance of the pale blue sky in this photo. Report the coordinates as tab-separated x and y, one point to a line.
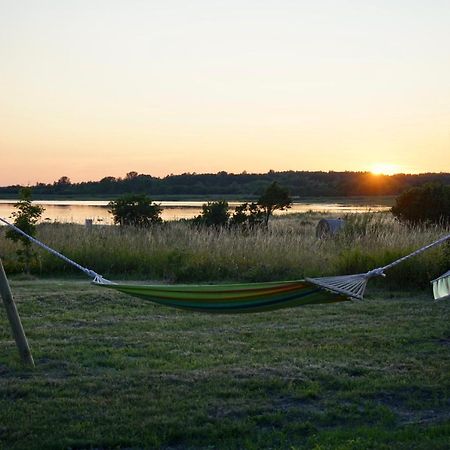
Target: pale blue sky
96	88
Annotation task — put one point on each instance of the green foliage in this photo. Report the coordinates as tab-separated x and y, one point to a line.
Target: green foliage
247	216
25	218
274	197
136	210
214	214
429	203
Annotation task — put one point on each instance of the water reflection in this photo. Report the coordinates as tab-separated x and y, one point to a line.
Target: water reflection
77	211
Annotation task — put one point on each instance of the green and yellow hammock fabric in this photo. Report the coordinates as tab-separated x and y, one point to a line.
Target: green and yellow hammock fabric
232	298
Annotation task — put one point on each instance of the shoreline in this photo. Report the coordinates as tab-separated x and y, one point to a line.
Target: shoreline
383	199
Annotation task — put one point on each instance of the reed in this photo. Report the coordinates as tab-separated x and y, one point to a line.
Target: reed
288	249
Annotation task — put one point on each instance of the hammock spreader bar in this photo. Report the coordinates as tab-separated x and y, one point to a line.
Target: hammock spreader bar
252	297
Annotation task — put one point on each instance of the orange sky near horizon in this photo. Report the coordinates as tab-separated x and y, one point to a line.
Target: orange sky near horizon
95	89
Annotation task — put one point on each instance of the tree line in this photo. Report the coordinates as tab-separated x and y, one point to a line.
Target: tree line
299	184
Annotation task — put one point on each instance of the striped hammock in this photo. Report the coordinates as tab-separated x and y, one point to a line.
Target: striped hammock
232	298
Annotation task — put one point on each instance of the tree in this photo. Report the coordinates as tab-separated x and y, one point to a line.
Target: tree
136	210
429	203
247	215
108	180
274	197
25	218
63	181
213	214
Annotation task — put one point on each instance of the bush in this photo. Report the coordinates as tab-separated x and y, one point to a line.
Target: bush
213	214
25	218
216	214
135	209
247	216
425	204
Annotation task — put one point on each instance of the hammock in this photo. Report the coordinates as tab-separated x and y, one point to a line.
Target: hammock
249	297
232	298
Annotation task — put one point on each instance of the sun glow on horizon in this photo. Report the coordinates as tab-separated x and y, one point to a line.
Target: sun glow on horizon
384	169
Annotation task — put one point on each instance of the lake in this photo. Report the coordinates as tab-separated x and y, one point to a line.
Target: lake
77	211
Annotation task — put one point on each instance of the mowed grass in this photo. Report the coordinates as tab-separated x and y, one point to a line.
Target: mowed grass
117	372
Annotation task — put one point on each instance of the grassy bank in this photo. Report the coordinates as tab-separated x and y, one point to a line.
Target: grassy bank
289	249
117	372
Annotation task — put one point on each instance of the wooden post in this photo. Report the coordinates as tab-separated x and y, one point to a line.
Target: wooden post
14	319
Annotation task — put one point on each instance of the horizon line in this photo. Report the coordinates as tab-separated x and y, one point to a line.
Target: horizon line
133	174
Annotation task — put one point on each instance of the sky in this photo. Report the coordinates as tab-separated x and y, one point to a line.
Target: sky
93	88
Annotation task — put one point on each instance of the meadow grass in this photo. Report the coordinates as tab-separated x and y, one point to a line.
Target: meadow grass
117	372
288	249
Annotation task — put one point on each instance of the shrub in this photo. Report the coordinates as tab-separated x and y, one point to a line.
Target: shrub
135	209
247	216
213	214
429	203
25	218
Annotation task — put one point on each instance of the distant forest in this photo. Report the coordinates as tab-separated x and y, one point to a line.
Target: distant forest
300	184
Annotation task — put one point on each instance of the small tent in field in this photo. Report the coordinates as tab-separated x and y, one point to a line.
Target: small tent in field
329	227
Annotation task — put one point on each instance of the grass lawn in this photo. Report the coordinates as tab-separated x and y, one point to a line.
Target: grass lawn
117	372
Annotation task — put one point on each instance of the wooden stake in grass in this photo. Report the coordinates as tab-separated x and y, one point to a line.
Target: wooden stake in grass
14	319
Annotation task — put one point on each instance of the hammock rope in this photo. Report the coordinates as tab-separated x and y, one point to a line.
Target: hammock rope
248	297
90	273
355	285
417	252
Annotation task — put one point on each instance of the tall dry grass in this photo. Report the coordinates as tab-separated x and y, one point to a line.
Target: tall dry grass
289	249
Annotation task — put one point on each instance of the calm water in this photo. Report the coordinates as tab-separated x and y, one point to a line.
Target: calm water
77	211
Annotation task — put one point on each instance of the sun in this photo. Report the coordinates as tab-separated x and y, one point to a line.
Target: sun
384	169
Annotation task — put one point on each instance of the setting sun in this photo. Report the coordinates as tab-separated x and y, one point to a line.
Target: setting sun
384	169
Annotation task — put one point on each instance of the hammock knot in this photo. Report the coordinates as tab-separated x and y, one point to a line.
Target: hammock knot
91	273
375	273
100	280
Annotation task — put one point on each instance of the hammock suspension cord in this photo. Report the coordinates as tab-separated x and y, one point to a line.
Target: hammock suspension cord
417	252
350	285
90	273
355	285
